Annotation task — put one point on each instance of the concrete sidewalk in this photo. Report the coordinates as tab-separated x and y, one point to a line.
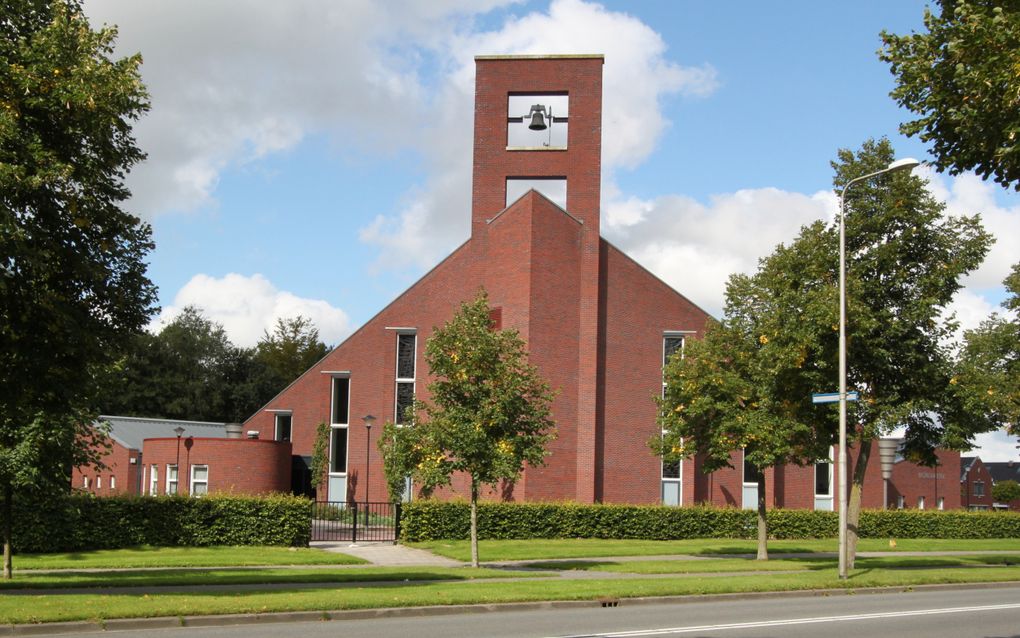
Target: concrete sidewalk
388	554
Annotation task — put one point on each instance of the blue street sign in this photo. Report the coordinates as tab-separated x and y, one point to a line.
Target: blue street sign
833	397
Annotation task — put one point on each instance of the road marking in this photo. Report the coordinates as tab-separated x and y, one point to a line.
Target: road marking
793	621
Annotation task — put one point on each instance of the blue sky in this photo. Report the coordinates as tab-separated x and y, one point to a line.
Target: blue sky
313	157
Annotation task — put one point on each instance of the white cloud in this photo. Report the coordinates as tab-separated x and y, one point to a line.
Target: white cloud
695	247
636	78
247	306
995	446
232	81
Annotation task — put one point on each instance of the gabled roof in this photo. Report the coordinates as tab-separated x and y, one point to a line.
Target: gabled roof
1004	471
130	431
966	462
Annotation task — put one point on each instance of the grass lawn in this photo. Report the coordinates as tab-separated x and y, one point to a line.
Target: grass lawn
49	608
543	549
727	565
223	556
176	577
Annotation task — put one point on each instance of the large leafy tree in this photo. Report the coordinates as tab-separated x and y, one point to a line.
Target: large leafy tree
742	387
488	415
988	375
73	288
905	259
293	347
961	79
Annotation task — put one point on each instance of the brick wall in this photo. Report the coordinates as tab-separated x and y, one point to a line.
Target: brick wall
969	496
238	466
119	477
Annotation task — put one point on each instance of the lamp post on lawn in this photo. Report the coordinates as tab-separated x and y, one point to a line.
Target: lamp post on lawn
179	431
898	165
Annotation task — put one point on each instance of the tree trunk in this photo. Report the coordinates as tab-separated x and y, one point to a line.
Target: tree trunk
474	523
763	530
8	533
853	509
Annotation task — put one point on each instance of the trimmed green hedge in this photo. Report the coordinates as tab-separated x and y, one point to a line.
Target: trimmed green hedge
78	522
433	520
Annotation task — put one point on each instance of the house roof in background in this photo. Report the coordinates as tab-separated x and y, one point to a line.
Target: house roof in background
1004	470
130	431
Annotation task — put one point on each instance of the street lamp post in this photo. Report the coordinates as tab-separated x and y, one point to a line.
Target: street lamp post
369	420
898	165
179	431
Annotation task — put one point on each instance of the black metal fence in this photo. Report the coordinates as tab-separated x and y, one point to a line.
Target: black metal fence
355	521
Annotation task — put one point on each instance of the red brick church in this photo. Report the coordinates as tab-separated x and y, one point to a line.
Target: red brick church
597	324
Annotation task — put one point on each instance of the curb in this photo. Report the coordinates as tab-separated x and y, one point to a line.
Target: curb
226	620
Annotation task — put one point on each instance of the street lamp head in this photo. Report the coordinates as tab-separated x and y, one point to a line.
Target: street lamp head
369	420
903	164
178	431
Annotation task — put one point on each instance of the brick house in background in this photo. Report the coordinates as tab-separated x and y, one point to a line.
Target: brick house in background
977	478
975	484
146	456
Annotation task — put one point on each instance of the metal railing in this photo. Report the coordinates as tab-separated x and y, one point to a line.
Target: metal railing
355	521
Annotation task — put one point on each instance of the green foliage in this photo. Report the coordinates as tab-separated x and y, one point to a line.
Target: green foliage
961	78
78	522
1006	491
73	287
433	520
402	455
988	372
320	455
190	370
489	413
292	348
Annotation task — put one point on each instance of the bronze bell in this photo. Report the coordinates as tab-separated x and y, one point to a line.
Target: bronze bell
537	118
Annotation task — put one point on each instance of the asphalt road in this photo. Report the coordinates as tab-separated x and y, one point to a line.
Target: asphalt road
943	613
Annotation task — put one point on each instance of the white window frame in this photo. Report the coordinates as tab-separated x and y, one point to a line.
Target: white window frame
276	424
901	502
113	482
176	482
398	380
830	497
745	484
920	502
85	482
940	503
195	481
153	480
99	481
339	426
665	482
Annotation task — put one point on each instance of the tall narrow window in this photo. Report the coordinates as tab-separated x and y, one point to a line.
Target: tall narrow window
672	477
113	482
339	422
823	484
406	352
283	422
199	480
154	480
750	486
171	479
99	482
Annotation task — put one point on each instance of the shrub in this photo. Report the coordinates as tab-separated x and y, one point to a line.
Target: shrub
78	522
434	520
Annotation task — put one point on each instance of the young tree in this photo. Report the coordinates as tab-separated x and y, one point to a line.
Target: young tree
960	78
73	288
740	387
988	370
1006	491
488	415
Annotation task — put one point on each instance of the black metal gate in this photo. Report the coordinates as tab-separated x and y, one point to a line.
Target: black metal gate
355	521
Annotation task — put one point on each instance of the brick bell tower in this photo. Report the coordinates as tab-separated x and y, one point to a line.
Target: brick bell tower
538	126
